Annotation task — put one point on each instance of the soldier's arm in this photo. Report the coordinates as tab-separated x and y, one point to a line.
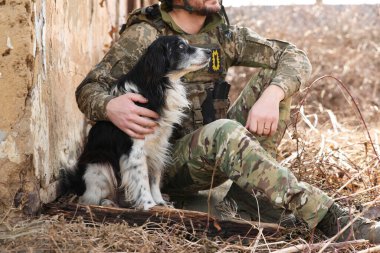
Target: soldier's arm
93	94
292	66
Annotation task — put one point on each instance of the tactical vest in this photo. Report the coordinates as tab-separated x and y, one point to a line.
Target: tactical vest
206	89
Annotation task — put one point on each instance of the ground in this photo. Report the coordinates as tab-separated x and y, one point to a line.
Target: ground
328	147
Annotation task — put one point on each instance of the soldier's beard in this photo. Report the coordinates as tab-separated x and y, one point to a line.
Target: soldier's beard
205	11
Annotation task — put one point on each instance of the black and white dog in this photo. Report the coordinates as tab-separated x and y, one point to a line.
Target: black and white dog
112	163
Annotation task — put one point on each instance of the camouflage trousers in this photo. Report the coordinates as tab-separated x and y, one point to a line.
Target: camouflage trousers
225	149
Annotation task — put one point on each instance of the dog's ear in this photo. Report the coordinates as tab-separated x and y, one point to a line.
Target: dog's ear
157	59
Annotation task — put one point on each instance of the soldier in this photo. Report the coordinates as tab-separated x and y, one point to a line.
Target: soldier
213	143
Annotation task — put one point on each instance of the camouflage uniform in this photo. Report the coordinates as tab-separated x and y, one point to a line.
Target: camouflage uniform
224	147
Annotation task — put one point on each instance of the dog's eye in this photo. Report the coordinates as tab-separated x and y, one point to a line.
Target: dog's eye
181	46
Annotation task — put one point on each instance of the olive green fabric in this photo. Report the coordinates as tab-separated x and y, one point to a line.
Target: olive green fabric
224	146
236	46
225	149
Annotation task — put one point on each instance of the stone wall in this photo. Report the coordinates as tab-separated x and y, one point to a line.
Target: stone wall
46	49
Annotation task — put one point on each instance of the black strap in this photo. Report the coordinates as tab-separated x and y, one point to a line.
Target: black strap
152	11
225	15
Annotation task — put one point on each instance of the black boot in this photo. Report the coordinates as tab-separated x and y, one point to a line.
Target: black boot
337	218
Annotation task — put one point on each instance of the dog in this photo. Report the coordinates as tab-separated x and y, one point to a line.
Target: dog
115	169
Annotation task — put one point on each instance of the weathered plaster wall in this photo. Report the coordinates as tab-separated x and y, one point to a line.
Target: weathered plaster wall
16	72
46	49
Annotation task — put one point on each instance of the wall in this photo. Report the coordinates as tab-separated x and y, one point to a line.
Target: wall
46	49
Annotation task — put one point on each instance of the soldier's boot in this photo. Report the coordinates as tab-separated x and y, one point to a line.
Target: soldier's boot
337	218
258	208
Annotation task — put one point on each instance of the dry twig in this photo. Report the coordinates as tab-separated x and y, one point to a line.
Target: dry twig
302	247
370	250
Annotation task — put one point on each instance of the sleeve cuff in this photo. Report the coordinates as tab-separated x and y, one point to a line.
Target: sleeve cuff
106	101
283	87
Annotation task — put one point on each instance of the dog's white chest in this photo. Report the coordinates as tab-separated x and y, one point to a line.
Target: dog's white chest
156	144
176	102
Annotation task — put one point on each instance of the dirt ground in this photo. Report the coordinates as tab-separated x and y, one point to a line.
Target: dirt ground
329	147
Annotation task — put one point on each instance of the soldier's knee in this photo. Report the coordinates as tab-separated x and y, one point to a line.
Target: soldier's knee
225	127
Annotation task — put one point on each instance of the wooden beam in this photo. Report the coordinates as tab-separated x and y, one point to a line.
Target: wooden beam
195	222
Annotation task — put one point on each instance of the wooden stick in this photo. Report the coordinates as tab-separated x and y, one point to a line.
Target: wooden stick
370	250
316	246
194	222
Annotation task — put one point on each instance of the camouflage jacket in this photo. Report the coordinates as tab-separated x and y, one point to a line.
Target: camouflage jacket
231	45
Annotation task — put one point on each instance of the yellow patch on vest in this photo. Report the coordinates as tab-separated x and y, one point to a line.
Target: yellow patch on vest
216	62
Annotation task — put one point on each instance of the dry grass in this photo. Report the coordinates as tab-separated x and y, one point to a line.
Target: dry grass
342	41
329	148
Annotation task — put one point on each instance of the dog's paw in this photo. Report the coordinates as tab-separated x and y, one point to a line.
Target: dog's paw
165	197
158	198
166	204
145	205
149	204
108	203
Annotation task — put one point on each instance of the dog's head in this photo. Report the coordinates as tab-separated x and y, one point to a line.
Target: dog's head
173	57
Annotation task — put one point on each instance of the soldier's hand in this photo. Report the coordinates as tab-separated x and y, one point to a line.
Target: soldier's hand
264	115
134	120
